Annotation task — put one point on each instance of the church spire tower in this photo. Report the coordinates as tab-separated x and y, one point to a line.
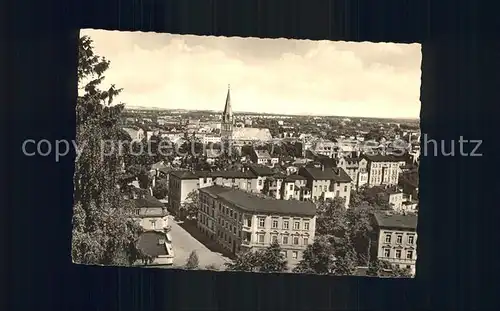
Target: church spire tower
227	118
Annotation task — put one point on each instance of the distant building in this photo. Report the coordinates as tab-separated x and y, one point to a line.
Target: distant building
387	195
295	188
327	183
240	135
356	169
396	238
383	169
136	134
241	221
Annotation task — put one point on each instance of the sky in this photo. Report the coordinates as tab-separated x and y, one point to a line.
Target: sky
281	76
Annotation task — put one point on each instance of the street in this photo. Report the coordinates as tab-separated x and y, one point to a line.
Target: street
183	244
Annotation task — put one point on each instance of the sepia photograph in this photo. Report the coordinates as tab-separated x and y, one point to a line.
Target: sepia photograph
247	154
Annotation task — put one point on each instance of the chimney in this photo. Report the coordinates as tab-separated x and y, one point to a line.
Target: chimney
323	167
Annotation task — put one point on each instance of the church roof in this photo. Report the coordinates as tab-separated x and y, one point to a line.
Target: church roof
250	133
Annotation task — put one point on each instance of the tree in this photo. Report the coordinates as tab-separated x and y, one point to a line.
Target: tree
191	204
331	218
245	261
104	230
382	268
192	261
271	259
317	258
360	231
160	190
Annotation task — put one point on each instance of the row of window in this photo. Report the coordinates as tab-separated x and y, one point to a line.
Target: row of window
285	240
325	188
398	253
285	224
379	165
295	254
399	239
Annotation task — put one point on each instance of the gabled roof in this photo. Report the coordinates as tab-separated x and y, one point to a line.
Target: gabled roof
396	221
261	170
336	174
263	154
148	201
294	177
251	203
205	174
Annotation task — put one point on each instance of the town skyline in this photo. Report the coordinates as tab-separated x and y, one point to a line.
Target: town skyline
303	77
240	112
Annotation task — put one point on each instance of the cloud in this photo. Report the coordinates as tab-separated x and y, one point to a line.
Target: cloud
266	75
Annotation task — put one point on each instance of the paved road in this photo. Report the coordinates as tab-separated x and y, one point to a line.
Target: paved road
183	244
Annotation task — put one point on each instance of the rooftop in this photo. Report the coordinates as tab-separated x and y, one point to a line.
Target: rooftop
149	243
148	201
396	221
261	170
336	174
254	204
215	174
382	158
294	177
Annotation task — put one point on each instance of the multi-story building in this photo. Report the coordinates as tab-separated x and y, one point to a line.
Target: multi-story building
355	167
387	195
155	241
382	169
241	221
325	147
182	183
150	212
396	237
327	183
294	187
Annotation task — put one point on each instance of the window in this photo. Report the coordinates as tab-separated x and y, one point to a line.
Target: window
306	241
345	188
234	230
399	239
275	223
283	253
337	193
408	267
261	238
262	222
233	180
306	225
291	186
325	188
231	213
153	224
409	254
295	240
387	252
285	240
295	254
274	238
296	225
285	224
388	238
411	239
260	182
398	253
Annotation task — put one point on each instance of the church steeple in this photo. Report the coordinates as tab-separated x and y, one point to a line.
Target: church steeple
227	118
227	115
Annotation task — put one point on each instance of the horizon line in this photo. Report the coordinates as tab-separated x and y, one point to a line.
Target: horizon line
129	107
